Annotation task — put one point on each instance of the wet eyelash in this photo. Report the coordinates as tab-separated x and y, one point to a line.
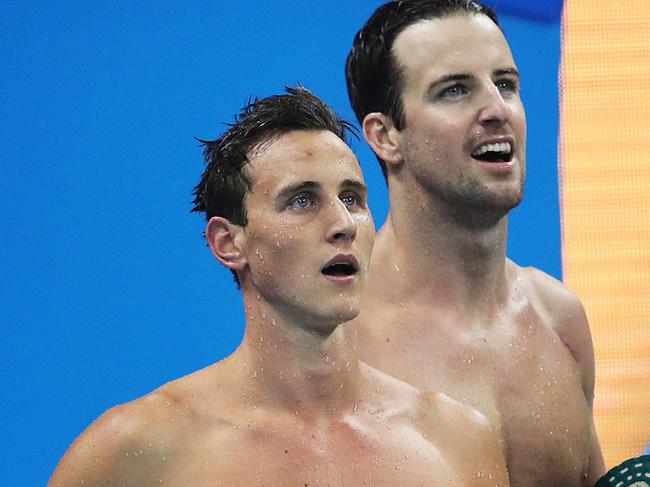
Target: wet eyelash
310	201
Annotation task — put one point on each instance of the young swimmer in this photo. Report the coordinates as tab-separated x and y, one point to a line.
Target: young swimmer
434	84
285	203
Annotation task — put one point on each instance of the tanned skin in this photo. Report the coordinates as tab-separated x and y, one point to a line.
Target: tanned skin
458	316
293	406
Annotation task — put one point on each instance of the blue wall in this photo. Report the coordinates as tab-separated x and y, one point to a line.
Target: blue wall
107	288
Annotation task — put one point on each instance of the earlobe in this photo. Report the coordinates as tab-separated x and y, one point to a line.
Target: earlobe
224	239
381	134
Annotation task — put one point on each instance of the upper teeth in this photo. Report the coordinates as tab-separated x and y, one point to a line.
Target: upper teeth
499	147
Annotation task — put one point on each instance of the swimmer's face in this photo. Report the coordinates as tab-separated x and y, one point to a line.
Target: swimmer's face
465	127
310	232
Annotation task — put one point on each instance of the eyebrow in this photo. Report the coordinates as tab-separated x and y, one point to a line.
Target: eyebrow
356	184
450	77
508	71
465	76
295	188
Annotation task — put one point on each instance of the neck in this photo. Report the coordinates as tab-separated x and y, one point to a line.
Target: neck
441	255
296	366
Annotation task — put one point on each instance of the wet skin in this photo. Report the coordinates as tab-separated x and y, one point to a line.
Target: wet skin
293	405
459	317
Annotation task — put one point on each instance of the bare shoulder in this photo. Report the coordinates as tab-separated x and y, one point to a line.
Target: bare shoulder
552	294
137	442
127	445
563	310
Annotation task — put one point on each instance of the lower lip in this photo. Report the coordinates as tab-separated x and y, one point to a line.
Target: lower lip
497	166
341	279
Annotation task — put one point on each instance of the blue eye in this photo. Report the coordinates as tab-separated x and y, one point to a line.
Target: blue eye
302	202
453	91
349	200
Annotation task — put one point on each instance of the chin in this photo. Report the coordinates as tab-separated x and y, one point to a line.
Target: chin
342	312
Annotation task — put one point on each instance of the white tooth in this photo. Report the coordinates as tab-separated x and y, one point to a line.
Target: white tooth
481	150
508	147
490	148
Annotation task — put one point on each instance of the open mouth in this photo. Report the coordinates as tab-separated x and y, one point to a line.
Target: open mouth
497	152
339	270
341	267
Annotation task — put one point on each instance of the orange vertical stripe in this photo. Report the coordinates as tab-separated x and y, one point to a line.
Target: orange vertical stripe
605	189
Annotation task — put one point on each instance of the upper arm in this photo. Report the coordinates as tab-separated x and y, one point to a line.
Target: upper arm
569	321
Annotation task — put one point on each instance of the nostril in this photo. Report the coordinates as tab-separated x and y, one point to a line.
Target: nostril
344	235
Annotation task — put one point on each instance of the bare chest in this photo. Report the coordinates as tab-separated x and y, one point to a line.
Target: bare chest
524	379
370	455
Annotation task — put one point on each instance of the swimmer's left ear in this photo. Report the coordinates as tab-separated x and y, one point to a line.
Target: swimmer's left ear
225	240
384	138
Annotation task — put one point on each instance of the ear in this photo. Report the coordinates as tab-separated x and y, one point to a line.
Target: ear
225	240
381	134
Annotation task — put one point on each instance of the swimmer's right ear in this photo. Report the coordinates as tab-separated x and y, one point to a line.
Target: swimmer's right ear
381	134
225	240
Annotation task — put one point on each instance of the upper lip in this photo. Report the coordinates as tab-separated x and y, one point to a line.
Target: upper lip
343	259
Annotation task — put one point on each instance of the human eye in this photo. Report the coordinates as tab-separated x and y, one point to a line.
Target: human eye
507	85
453	91
349	199
353	199
302	202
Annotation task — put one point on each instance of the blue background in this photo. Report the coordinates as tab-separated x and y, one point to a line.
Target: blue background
107	288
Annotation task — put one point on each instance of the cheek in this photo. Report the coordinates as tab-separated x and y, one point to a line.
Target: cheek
432	135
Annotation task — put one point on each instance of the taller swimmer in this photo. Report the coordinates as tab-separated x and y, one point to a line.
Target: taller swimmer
437	91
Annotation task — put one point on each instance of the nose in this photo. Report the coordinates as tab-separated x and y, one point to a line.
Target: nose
494	110
342	226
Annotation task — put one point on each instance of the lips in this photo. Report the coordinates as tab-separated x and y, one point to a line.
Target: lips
496	150
341	268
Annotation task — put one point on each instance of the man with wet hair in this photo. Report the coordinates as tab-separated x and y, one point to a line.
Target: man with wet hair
435	87
285	203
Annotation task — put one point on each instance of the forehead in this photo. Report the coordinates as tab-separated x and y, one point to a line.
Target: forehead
302	155
462	42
